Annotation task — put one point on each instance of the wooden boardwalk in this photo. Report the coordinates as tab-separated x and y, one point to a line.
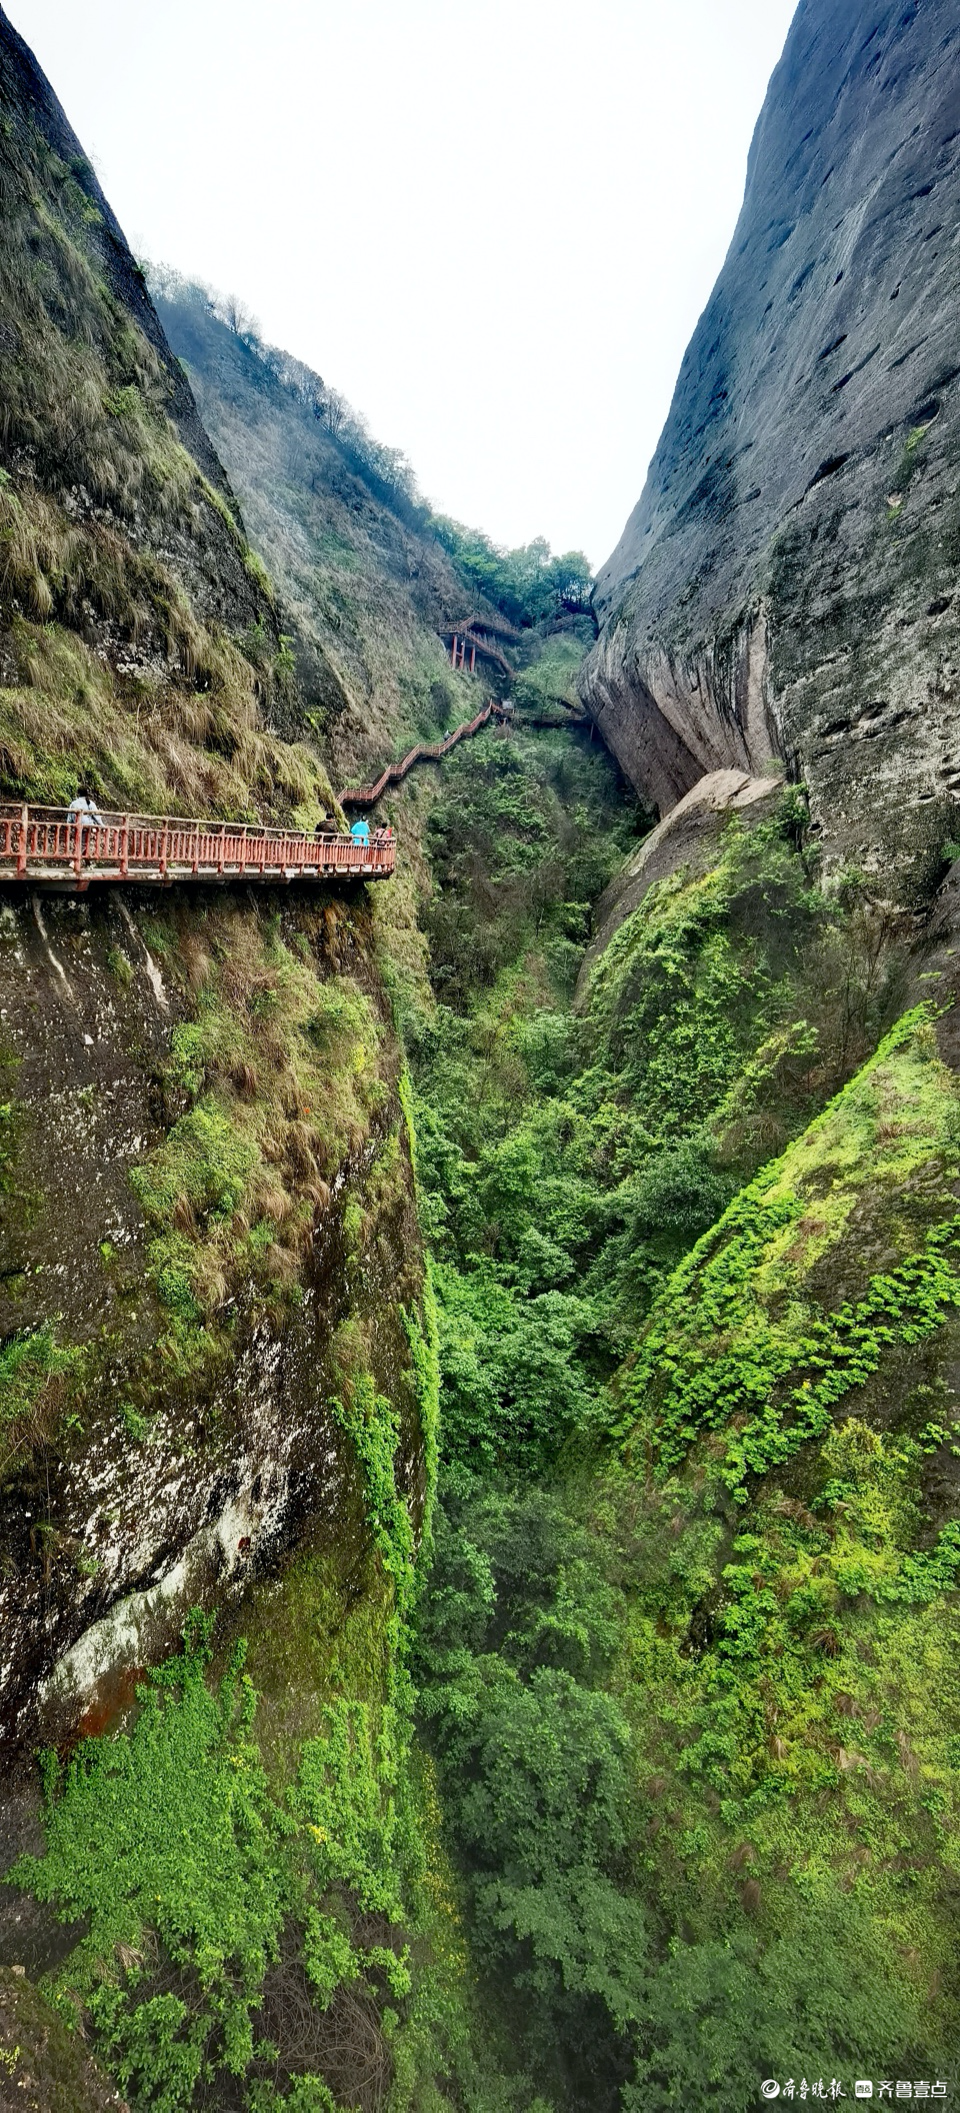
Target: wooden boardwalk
46	846
52	847
368	795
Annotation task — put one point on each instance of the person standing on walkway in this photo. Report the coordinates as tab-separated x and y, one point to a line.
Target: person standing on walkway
85	814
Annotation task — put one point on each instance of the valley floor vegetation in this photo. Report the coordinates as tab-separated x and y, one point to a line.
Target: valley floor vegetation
639	1783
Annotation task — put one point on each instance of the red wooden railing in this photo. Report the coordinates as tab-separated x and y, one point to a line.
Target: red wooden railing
368	795
466	642
47	843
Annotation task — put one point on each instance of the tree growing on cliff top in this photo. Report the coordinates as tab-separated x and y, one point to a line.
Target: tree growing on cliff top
527	584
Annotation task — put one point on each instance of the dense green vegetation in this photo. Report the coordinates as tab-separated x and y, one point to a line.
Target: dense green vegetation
249	1909
527	585
587	1740
681	1645
688	1660
271	1082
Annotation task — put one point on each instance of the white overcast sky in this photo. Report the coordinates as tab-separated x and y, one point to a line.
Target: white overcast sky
491	223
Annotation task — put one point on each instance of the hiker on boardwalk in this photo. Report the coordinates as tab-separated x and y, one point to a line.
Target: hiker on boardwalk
84	813
360	831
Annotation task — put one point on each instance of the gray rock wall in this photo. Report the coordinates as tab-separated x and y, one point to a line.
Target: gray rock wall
114	1519
787	584
163	1440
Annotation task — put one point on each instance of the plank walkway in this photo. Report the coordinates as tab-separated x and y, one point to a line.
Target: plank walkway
48	846
368	795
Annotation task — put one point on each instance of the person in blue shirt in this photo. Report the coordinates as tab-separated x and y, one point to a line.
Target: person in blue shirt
360	832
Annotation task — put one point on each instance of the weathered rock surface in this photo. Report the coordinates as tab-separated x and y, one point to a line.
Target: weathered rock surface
163	1489
787	585
44	2068
127	584
687	836
28	95
143	1470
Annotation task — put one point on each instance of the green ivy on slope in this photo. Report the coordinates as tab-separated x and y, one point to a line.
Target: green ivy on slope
735	1638
733	1330
195	1869
168	1835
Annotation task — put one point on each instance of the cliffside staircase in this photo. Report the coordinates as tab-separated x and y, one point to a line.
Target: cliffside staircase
368	795
478	638
52	847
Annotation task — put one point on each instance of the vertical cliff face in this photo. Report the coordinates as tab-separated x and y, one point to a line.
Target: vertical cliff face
204	1170
786	585
371	588
217	1357
205	1180
38	127
140	639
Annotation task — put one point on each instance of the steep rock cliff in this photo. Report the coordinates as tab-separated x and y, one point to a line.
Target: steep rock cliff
217	1364
371	586
140	638
786	586
189	1131
204	1166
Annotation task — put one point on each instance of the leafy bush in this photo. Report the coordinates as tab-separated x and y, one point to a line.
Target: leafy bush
716	1639
169	1829
527	584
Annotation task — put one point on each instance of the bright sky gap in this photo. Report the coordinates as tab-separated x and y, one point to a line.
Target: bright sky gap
491	225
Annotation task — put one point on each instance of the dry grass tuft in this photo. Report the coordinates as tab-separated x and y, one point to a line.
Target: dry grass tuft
130	664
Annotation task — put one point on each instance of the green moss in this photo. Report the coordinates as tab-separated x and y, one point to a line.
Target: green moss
32	1368
258	573
372	1424
168	1829
204	1160
199	1872
805	1719
283	1066
38	2048
762	1582
736	1344
717	1000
